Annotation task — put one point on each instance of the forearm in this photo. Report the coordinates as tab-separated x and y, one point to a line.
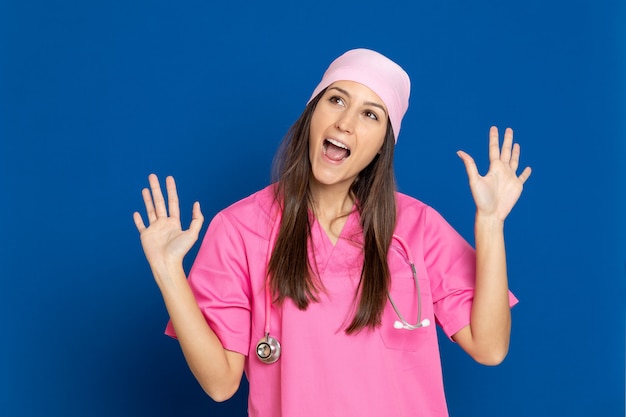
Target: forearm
491	314
217	370
487	337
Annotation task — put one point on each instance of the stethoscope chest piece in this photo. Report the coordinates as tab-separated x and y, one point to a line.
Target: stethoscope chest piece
268	349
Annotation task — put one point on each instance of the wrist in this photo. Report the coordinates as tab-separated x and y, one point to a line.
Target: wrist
488	222
168	273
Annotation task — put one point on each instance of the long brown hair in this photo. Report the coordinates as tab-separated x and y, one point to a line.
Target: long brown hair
290	273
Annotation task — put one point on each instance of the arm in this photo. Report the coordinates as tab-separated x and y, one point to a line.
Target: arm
487	336
165	244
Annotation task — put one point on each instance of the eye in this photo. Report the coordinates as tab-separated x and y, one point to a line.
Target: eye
337	100
371	114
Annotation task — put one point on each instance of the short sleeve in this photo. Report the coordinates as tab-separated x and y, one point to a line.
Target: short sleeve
220	282
451	264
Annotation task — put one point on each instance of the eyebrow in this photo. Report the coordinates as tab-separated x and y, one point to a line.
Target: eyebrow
369	103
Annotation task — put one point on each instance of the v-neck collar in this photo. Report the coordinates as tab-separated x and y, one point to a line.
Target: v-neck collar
324	249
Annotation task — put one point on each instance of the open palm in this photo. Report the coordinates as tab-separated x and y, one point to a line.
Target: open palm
496	192
163	241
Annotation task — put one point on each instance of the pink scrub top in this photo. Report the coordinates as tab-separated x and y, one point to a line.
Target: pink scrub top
323	371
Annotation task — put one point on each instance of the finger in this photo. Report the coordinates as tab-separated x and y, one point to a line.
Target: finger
139	222
494	144
507	144
470	165
196	219
514	163
172	197
147	200
157	196
525	174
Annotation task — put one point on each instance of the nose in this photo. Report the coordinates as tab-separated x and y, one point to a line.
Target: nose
346	122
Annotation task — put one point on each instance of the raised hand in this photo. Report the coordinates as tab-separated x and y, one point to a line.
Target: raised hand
496	193
164	242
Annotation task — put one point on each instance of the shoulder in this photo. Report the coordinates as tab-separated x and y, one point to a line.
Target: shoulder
405	201
411	209
416	217
252	215
260	203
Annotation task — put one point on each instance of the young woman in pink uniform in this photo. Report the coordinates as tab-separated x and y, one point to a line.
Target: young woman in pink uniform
324	287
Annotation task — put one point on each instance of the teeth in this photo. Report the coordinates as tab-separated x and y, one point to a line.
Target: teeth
338	144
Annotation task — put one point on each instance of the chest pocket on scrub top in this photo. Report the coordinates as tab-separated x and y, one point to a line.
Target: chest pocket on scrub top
410	325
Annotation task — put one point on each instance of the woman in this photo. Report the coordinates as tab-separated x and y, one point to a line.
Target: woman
347	273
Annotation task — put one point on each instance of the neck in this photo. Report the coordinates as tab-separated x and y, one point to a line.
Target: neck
331	202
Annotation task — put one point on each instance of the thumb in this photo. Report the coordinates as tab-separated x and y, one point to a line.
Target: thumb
470	165
196	219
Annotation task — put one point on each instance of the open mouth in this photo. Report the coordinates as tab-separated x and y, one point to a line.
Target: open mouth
335	150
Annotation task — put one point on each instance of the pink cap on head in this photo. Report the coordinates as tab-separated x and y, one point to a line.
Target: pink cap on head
377	72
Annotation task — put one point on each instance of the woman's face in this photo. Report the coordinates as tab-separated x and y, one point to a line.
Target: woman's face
347	131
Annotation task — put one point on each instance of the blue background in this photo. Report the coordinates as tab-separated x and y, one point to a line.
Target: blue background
96	95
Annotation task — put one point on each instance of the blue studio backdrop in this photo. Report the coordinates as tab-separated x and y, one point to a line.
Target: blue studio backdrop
94	96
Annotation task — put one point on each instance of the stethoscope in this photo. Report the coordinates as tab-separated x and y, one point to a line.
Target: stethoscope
268	348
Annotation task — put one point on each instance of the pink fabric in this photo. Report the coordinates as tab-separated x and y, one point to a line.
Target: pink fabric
377	72
323	371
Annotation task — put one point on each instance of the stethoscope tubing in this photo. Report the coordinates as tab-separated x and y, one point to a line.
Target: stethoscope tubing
268	348
403	324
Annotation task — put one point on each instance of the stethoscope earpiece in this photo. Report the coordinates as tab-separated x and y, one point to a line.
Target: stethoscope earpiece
268	349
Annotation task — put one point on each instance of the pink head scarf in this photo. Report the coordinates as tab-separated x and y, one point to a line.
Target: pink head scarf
377	72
